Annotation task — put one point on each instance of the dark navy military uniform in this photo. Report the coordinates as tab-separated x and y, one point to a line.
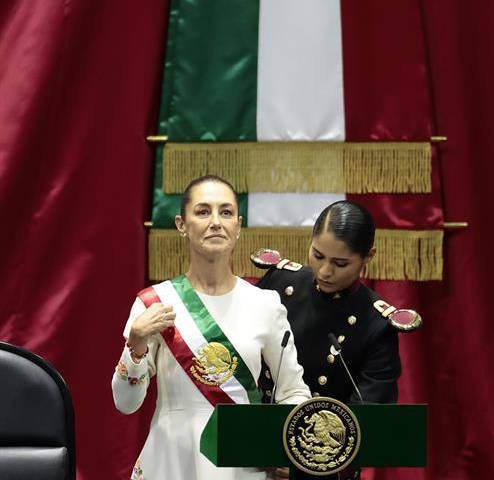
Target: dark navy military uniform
369	344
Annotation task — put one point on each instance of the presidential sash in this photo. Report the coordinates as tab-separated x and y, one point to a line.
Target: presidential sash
200	347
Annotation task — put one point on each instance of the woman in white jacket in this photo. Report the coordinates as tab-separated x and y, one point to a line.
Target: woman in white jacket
202	334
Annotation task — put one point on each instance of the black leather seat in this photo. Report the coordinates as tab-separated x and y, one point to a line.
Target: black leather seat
36	419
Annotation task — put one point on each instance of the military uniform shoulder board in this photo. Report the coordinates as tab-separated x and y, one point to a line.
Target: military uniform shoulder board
266	258
402	319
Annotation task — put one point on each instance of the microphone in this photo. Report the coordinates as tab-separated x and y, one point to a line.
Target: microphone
284	343
336	351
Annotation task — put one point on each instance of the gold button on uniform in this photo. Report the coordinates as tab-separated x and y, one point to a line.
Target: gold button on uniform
352	319
330	358
267	374
341	338
269	393
289	290
316	394
322	380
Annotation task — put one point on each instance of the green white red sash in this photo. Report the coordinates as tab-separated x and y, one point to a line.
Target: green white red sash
201	348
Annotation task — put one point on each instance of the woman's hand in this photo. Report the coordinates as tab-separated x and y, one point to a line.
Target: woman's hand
154	319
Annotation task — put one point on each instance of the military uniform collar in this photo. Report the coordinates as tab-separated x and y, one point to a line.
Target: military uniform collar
338	295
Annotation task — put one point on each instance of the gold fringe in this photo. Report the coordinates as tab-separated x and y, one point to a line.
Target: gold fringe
407	255
338	167
401	254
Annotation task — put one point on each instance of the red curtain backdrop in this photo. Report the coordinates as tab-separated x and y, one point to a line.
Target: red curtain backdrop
79	89
388	97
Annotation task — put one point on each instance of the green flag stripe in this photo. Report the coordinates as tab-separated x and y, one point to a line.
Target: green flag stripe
213	79
166	88
210	84
212	333
165	207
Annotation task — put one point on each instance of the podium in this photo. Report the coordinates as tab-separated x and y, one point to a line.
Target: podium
251	436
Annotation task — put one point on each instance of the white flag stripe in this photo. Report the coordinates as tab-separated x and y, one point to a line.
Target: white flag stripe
194	338
300	71
288	209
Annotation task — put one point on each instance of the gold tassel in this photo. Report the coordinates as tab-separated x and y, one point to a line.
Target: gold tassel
302	167
407	255
387	167
401	254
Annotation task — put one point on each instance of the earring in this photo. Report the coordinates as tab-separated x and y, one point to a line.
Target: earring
184	234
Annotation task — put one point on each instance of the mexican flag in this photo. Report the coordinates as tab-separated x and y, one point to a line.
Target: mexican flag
257	92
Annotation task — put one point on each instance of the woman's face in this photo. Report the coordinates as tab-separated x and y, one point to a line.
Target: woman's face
334	265
211	219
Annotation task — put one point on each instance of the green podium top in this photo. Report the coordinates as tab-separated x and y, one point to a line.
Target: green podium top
251	435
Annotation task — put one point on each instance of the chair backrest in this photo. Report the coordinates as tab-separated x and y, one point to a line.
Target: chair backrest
37	439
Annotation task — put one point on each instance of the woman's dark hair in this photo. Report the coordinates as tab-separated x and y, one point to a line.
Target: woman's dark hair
198	181
348	222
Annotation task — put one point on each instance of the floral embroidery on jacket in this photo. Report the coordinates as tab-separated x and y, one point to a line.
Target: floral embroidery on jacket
123	373
137	471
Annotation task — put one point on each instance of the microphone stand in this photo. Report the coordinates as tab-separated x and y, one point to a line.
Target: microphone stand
336	351
284	342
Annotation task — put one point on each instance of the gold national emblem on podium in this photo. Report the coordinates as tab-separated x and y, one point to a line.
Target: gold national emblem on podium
213	364
321	436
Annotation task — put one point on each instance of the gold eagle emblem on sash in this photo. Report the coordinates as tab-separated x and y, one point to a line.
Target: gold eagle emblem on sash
213	364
